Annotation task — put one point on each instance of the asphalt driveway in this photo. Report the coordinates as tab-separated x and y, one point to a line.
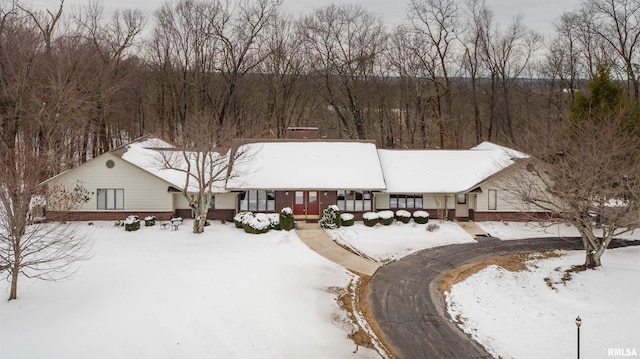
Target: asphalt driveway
405	300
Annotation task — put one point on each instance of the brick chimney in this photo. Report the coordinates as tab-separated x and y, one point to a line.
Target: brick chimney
302	133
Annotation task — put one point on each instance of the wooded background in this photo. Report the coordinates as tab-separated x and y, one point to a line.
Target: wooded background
74	84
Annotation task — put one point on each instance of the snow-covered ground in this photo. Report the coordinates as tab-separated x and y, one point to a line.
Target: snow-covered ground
165	294
384	243
516	315
521	230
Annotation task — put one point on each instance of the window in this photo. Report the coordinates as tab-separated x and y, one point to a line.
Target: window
461	198
212	203
493	199
354	200
405	201
110	199
257	201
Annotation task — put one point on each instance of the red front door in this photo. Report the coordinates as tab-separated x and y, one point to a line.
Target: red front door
306	203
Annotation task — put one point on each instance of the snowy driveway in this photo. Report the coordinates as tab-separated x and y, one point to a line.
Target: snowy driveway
405	300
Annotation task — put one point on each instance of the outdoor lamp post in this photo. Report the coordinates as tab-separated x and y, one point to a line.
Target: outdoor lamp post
578	323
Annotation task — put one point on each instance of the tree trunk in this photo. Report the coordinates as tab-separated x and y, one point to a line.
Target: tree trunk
201	208
592	259
14	282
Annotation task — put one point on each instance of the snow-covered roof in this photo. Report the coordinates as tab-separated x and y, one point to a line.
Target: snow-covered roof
307	165
164	161
443	171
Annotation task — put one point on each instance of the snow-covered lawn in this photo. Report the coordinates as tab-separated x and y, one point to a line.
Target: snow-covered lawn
164	294
521	230
516	315
384	243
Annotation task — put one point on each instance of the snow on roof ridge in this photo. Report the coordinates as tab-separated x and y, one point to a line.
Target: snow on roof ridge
490	146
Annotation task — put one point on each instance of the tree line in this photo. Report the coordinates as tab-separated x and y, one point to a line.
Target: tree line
77	83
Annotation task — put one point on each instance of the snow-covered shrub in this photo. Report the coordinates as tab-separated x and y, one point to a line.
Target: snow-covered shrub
274	218
286	219
132	223
149	221
257	224
432	227
330	218
347	219
386	217
370	219
403	216
240	218
421	217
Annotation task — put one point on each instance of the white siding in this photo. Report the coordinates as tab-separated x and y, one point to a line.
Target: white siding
180	201
142	190
226	200
506	201
430	201
382	200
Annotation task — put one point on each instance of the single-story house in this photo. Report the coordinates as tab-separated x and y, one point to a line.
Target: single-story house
141	178
305	175
453	183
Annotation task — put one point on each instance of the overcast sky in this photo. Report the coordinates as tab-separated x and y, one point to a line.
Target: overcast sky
538	14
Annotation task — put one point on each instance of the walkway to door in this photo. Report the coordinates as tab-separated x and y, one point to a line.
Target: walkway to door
318	240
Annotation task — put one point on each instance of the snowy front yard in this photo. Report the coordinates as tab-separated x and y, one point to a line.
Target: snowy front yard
163	294
227	294
385	243
517	315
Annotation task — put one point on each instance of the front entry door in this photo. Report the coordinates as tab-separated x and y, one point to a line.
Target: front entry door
306	203
462	205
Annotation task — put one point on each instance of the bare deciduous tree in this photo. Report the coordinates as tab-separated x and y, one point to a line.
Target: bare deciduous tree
35	250
205	157
344	45
586	170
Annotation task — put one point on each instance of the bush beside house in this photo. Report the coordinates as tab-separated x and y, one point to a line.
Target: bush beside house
347	219
385	217
286	219
420	217
150	221
330	218
403	216
370	219
132	223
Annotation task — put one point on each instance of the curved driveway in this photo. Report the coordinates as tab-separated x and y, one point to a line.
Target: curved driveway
405	300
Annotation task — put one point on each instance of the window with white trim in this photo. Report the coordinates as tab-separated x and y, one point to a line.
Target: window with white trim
358	201
405	201
110	199
257	201
493	199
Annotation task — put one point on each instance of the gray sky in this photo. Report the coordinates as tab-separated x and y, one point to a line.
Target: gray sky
538	14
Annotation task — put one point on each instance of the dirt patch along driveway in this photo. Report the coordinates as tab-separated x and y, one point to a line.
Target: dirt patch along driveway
409	307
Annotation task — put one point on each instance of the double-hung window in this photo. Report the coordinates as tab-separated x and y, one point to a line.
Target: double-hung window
110	199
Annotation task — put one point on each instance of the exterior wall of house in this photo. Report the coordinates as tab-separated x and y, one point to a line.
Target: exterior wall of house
381	201
144	194
226	200
508	206
327	198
